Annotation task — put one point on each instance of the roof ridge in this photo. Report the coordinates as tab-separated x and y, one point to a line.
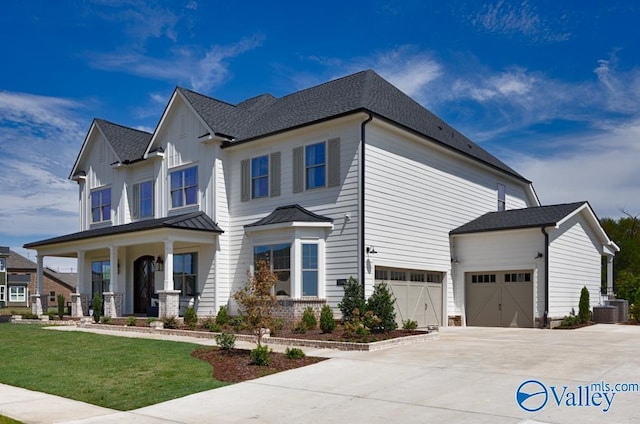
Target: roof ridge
121	126
206	96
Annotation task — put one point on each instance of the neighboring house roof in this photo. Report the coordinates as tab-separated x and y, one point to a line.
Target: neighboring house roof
364	91
290	213
17	262
539	216
4	250
197	221
129	144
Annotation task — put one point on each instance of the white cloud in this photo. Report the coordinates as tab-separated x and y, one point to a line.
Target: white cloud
201	71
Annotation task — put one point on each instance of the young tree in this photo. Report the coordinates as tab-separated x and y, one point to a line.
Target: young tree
353	299
256	300
381	304
584	309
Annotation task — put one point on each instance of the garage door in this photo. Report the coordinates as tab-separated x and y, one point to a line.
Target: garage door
499	299
418	294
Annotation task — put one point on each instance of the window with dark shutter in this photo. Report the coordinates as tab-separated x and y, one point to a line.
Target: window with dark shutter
333	162
298	169
274	163
245	183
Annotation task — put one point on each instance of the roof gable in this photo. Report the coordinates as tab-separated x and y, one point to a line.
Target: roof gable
290	214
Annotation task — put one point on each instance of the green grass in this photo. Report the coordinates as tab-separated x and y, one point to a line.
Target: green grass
7	420
114	372
14	311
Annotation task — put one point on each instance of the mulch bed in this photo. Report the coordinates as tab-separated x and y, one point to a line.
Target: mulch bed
338	336
234	366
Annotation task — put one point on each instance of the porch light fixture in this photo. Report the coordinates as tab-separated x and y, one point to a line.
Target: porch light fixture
455	260
371	250
539	255
159	264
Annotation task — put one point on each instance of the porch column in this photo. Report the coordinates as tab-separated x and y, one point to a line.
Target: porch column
168	298
113	298
610	294
77	309
36	298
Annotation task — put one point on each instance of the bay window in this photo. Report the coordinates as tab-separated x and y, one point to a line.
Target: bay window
278	256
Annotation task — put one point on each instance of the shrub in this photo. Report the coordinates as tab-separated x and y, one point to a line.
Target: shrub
634	308
300	327
210	324
354	327
191	318
261	355
29	315
132	321
170	322
584	310
223	317
294	353
151	319
97	307
309	318
256	300
327	323
570	321
381	304
105	319
225	341
277	324
51	316
353	299
409	324
237	323
60	306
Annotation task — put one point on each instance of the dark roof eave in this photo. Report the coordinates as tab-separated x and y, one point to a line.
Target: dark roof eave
383	118
515	227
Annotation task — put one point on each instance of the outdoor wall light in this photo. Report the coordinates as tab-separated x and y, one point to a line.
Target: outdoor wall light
159	264
455	260
371	250
539	255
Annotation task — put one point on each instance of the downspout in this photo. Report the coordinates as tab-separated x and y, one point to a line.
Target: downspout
546	277
361	213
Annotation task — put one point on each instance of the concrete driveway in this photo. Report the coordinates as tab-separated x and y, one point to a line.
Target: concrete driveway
469	375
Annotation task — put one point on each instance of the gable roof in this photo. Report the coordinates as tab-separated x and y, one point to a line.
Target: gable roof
364	91
538	216
16	262
290	213
197	221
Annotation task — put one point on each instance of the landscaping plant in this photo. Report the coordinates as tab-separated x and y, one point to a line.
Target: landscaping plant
353	299
309	318
170	322
223	317
381	304
132	321
97	307
409	325
261	355
256	300
191	318
225	341
294	353
584	310
60	306
327	323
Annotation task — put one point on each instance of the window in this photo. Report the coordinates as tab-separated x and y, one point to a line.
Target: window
3	264
17	294
483	278
100	277
101	205
185	273
2	293
143	200
184	187
315	165
417	277
52	296
310	270
521	277
398	276
381	274
278	256
260	177
502	193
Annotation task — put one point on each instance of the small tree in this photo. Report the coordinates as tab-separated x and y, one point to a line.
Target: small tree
256	300
584	310
60	305
191	317
381	304
97	307
353	299
327	323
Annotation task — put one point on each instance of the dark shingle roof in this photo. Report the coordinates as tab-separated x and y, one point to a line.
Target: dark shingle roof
4	250
290	213
128	143
539	216
362	91
198	221
16	261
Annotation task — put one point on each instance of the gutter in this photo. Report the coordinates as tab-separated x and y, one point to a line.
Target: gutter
361	213
546	277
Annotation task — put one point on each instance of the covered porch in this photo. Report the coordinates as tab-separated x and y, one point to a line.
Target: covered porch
152	267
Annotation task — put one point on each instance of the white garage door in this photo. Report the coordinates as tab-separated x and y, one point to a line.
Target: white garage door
418	294
499	299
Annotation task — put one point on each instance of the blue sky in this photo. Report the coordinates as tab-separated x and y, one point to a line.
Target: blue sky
552	88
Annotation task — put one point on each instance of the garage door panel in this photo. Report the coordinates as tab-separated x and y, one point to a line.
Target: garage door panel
483	304
517	305
434	303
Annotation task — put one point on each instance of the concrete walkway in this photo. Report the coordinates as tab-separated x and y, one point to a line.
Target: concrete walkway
469	375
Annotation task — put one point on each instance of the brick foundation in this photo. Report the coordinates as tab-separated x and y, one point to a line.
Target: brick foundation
168	303
291	310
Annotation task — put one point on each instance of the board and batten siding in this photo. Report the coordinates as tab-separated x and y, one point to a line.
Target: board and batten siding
574	262
499	251
333	202
416	193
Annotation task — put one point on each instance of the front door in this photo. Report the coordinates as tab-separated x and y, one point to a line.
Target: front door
143	283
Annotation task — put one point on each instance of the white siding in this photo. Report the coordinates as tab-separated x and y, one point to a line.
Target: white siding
574	262
333	202
416	194
499	251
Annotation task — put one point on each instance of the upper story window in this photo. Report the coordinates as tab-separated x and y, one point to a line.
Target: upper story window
3	264
315	163
143	200
502	197
185	273
184	187
260	177
101	205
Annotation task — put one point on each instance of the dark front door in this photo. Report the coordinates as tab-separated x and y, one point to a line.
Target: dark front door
143	283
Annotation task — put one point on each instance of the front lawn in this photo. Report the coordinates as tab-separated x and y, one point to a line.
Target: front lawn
114	372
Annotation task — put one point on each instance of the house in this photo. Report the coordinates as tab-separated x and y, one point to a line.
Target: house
348	178
18	280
